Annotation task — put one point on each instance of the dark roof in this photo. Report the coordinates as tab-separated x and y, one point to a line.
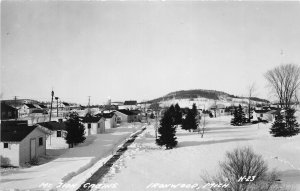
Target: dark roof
105	115
53	125
65	103
126	112
90	119
43	106
261	111
37	111
5	106
130	102
136	111
15	133
30	105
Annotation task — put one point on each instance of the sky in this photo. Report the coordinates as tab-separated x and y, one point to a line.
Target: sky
142	50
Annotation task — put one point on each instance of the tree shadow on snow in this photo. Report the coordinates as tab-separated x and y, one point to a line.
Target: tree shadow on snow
197	143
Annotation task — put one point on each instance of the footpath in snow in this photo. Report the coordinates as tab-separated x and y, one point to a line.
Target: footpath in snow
67	164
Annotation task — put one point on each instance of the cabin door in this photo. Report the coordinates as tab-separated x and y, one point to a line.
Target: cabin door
32	148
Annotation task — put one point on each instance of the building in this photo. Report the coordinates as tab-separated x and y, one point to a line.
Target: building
26	109
8	112
267	115
93	125
126	116
110	119
218	110
21	143
130	105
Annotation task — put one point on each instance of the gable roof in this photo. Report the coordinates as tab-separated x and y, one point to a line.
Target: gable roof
65	104
126	112
90	119
43	106
132	102
105	115
53	125
15	133
261	111
29	105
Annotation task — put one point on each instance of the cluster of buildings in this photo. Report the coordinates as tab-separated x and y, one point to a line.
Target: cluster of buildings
24	139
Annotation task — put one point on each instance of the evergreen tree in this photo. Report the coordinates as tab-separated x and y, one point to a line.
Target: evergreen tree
238	116
172	112
190	122
291	122
278	127
178	115
234	120
167	131
75	130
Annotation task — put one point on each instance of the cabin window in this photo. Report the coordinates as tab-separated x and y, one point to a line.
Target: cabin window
89	126
5	145
261	115
41	141
60	120
98	125
58	134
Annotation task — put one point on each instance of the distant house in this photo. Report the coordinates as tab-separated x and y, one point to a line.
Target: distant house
125	115
218	109
65	106
131	105
268	115
8	112
21	143
26	109
110	119
93	125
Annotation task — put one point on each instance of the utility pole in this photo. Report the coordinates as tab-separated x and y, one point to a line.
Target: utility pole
52	94
89	110
56	106
16	114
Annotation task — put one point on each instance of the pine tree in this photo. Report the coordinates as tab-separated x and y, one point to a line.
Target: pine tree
241	118
190	122
172	112
75	130
178	115
234	120
167	131
278	127
291	122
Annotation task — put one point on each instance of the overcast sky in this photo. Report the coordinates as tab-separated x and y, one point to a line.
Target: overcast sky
142	50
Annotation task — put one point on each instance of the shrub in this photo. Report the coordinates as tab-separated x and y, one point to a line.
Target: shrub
241	164
5	162
34	161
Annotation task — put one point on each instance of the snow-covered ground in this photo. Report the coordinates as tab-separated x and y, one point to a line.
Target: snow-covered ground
145	163
66	164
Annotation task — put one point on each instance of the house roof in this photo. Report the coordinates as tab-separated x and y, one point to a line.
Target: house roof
65	104
261	111
43	106
90	119
15	133
130	102
106	115
126	112
53	125
5	106
31	106
218	106
37	111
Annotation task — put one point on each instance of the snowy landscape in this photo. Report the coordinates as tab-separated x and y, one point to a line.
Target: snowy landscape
150	95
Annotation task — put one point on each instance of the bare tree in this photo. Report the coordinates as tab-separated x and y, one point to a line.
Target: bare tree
285	82
251	90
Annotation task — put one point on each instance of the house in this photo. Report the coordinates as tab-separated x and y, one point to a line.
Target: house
268	115
26	109
218	110
126	116
138	114
110	119
21	143
57	132
93	125
8	112
130	105
65	106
